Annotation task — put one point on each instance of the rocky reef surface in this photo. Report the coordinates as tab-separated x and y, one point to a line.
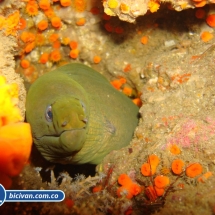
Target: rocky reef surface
167	60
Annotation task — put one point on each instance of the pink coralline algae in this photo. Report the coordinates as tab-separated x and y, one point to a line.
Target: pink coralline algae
193	133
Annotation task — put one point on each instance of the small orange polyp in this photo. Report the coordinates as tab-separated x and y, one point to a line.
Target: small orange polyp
81	22
74	53
44	58
44	4
56	22
65	3
42	25
96	59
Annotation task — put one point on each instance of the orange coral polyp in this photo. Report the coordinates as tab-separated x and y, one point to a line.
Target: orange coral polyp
40	39
27	37
56	22
147	169
65	3
128	188
144	40
56	44
135	189
116	84
80	5
137	102
210	20
96	59
44	4
97	189
177	166
42	25
49	13
81	22
127	91
74	53
206	36
44	58
194	170
124	179
73	45
22	24
161	181
31	8
174	149
129	191
24	63
159	191
29	47
53	37
122	80
205	176
153	160
55	56
200	4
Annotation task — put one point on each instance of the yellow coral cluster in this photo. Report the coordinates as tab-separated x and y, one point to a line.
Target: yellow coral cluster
10	24
15	136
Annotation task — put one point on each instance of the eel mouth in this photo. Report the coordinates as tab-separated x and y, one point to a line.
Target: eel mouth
66	143
58	135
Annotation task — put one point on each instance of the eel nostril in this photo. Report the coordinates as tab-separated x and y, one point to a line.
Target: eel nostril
85	120
64	124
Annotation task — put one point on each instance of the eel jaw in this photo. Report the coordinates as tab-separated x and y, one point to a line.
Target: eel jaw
61	149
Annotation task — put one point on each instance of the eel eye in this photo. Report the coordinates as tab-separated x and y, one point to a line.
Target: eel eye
49	114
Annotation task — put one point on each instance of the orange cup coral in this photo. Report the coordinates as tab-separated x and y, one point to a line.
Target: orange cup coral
146	170
193	170
42	25
159	191
73	45
161	181
55	55
65	3
127	91
205	176
177	166
174	149
96	59
137	101
44	58
74	53
44	4
153	160
211	20
31	8
56	22
128	188
206	36
24	63
149	168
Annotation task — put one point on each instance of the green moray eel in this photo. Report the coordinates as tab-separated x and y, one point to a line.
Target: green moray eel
77	117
